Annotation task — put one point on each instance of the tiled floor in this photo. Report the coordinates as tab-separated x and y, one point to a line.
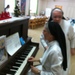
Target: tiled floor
35	34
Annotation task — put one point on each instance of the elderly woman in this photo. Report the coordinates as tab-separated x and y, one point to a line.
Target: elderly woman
54	59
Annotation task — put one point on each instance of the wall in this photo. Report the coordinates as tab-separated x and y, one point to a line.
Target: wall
27	7
67	6
42	5
2	5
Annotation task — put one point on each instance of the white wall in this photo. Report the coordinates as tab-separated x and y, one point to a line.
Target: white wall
27	7
68	6
11	3
2	5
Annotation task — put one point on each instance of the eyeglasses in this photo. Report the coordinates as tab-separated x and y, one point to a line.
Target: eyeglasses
57	16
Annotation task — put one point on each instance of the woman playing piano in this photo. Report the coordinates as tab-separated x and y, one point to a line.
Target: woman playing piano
54	60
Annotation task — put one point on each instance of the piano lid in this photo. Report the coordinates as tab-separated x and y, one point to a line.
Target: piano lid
14	25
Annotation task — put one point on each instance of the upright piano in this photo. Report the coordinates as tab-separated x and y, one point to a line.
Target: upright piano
17	63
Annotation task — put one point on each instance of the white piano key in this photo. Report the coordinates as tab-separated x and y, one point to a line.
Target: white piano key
18	72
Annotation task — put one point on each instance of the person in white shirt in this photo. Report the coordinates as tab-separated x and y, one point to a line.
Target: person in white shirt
57	16
54	59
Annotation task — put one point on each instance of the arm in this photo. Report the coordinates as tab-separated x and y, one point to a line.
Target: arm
72	39
32	59
43	41
72	51
55	68
56	62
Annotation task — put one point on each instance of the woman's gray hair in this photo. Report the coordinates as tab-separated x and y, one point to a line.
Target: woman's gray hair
46	26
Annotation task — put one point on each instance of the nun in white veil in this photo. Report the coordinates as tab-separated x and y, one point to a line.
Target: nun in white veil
54	59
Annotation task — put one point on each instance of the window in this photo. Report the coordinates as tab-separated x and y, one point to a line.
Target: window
33	6
12	5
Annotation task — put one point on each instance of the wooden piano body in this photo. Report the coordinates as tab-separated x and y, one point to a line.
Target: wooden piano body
8	28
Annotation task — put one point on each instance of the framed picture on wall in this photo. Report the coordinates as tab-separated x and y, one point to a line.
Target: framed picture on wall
23	5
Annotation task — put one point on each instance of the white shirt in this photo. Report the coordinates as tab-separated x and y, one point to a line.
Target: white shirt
51	61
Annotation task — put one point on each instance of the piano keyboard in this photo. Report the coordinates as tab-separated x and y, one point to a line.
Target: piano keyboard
24	62
19	63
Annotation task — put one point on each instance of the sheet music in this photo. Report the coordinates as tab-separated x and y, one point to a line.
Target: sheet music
13	43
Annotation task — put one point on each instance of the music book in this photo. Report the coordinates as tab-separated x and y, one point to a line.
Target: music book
13	43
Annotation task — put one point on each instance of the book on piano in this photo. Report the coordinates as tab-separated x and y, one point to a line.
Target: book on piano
3	55
13	43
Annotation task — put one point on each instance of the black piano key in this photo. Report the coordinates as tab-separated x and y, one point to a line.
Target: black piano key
17	56
22	58
2	73
23	55
26	51
31	46
7	71
20	61
11	63
11	72
29	49
18	65
15	68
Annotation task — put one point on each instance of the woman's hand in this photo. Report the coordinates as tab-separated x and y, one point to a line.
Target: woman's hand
31	59
46	47
35	70
72	51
